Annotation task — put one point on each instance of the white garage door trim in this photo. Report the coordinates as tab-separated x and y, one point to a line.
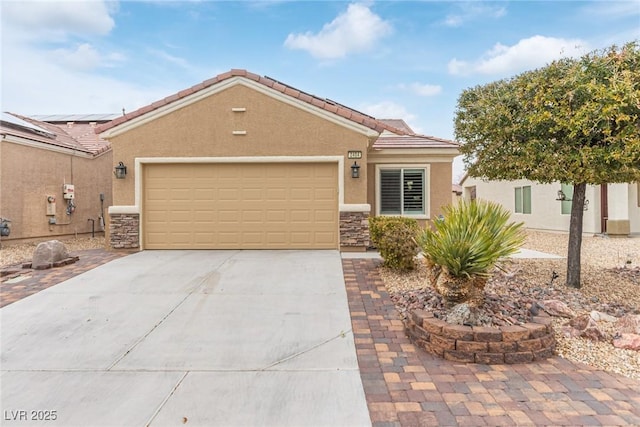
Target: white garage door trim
139	162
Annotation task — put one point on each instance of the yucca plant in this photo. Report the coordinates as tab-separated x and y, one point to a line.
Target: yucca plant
462	249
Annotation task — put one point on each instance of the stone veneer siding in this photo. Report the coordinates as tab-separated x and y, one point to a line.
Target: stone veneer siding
533	341
124	231
354	229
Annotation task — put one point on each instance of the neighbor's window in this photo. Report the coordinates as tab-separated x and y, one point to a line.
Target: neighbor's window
523	199
567	189
402	192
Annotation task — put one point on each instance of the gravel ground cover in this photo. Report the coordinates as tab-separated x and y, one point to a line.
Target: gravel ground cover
610	284
12	254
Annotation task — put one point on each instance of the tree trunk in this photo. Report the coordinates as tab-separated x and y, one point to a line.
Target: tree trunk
575	235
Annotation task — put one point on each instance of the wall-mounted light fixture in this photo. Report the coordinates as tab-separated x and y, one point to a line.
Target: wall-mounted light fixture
355	170
120	171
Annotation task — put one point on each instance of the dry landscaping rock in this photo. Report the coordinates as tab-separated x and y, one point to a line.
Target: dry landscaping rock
627	341
610	290
48	253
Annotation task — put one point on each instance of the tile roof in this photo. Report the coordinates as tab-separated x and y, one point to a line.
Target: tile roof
398	124
391	140
395	133
65	118
326	104
74	136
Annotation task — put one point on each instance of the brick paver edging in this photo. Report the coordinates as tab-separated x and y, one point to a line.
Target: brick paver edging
406	386
477	344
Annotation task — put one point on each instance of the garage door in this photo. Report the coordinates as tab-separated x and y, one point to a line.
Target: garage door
240	206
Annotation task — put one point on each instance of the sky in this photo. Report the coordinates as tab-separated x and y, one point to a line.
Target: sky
390	59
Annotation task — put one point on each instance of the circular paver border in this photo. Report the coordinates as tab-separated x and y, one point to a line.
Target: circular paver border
532	341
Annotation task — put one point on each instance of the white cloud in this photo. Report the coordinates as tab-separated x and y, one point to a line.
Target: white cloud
527	54
421	89
39	79
613	9
469	11
175	60
391	110
50	19
33	84
84	57
355	30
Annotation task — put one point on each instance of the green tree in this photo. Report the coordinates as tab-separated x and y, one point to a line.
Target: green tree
575	121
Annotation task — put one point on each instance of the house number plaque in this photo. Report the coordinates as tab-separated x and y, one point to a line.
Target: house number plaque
354	155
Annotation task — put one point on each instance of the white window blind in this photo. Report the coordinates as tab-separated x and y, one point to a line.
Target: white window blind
402	192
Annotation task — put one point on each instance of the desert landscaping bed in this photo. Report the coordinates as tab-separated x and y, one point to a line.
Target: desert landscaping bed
611	286
18	253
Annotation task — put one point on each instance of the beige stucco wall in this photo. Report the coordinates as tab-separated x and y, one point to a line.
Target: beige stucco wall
439	180
28	175
546	211
204	129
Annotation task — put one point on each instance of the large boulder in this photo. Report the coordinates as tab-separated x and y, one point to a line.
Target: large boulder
47	253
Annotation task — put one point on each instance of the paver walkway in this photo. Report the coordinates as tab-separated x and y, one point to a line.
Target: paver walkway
406	386
30	281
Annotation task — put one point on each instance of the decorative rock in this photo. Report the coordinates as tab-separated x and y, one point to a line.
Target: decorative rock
557	308
48	253
599	316
627	341
629	324
464	314
586	327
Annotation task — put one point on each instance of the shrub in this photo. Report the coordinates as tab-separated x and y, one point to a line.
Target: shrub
395	238
471	238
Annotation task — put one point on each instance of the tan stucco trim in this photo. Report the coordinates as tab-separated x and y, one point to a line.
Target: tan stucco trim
226	84
392	157
50	147
427	190
355	207
427	152
124	210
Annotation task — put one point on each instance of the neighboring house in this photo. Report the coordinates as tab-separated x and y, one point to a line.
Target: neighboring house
244	161
613	209
39	160
456	193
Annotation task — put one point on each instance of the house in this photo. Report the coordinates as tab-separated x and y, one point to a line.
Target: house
55	176
245	161
613	209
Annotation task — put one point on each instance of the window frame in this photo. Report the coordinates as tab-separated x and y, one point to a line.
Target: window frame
426	189
525	194
565	205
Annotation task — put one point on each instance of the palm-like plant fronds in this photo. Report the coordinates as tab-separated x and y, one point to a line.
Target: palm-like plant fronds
471	238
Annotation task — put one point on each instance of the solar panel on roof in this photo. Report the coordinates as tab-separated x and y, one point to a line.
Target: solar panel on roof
8	118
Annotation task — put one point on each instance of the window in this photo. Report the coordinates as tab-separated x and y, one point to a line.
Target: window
567	189
523	199
470	193
403	191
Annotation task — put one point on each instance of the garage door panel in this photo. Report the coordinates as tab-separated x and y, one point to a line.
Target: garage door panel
235	206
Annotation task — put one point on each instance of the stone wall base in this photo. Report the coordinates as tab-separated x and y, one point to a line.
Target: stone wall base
124	231
354	231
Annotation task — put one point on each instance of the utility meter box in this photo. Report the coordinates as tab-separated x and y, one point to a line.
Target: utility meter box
68	191
51	205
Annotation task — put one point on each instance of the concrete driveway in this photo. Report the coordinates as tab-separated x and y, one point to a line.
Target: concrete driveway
216	338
